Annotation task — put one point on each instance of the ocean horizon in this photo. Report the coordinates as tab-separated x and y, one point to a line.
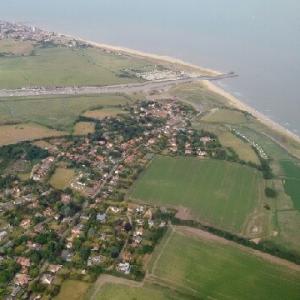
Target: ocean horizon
259	40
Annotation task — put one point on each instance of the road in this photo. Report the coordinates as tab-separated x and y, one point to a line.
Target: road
113	89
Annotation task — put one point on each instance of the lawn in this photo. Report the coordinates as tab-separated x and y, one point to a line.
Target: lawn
221	193
84	128
59	112
210	269
73	289
225	116
62	178
100	114
11	134
62	66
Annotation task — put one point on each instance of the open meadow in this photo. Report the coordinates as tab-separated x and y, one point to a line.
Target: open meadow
59	112
11	134
63	66
226	116
218	192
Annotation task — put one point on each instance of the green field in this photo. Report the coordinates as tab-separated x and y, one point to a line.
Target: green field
225	116
214	270
292	181
147	292
62	178
100	114
62	66
219	192
59	112
72	289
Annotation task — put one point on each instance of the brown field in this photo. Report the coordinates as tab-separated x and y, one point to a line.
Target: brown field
84	128
13	47
11	134
100	114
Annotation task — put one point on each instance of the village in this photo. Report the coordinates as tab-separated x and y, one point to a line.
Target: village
90	227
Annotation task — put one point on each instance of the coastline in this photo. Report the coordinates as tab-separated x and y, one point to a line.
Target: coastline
208	84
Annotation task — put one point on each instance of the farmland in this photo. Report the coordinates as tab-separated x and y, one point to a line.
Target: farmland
11	134
292	181
54	112
218	192
211	269
62	178
62	66
84	128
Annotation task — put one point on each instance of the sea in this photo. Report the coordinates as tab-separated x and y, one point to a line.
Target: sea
257	39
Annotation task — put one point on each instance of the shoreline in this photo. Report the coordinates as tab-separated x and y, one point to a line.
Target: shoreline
208	84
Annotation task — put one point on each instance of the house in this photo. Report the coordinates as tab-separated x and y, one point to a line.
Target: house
124	267
47	278
94	260
21	279
65	199
25	223
3	234
66	255
23	261
101	217
54	268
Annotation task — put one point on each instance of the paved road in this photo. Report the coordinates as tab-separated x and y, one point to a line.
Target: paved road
121	88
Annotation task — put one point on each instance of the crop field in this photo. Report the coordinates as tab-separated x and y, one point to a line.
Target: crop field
221	193
11	134
72	289
62	178
100	114
84	128
59	112
62	66
208	268
225	116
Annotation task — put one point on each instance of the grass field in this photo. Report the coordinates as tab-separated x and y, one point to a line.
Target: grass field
84	128
221	193
62	66
209	269
100	114
225	116
11	134
62	178
55	112
72	289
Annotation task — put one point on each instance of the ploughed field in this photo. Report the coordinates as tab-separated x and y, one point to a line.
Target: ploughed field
221	193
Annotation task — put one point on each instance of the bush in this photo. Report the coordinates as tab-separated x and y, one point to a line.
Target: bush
270	193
